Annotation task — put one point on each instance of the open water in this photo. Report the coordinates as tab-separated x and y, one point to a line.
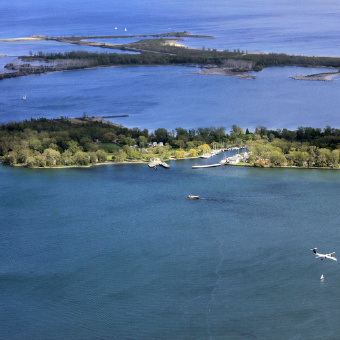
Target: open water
117	252
170	97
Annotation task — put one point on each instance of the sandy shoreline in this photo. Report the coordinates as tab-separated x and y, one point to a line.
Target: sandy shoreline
283	167
176	159
146	162
174	42
226	72
22	39
319	77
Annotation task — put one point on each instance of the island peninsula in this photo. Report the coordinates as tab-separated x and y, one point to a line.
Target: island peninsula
162	49
86	141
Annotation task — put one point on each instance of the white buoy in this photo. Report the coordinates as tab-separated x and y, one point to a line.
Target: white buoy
322	277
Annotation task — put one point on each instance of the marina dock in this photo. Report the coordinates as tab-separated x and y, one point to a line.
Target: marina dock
158	162
205	166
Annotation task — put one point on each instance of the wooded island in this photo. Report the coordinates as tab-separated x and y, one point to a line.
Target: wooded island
84	142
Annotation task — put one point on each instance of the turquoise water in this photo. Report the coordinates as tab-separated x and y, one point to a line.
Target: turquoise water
118	252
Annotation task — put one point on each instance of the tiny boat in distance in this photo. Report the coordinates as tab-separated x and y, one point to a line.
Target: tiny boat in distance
193	197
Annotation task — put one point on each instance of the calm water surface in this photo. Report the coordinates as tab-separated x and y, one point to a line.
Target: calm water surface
304	27
118	252
169	97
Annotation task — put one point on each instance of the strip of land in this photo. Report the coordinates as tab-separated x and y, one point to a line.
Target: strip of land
167	50
320	76
226	72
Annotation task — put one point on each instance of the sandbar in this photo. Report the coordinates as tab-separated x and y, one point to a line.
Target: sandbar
320	76
226	72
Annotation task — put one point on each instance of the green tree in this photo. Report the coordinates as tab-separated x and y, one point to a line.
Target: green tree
237	130
142	141
334	158
109	137
193	153
23	155
53	146
52	157
180	143
204	148
35	144
11	158
81	158
312	151
283	144
182	134
119	156
180	154
30	162
323	157
67	158
161	135
40	161
297	157
93	157
261	130
73	146
101	155
277	158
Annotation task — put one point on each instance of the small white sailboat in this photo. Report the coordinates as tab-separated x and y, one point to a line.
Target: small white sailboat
115	28
24	97
322	277
125	29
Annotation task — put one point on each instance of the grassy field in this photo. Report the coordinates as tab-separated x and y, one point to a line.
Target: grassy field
108	147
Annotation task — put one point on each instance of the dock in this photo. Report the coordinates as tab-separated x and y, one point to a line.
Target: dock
205	166
117	116
158	162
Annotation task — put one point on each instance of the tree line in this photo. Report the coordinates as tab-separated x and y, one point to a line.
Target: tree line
304	147
61	142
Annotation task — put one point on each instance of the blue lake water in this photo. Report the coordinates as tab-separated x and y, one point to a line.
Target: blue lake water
169	97
19	48
117	251
304	27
